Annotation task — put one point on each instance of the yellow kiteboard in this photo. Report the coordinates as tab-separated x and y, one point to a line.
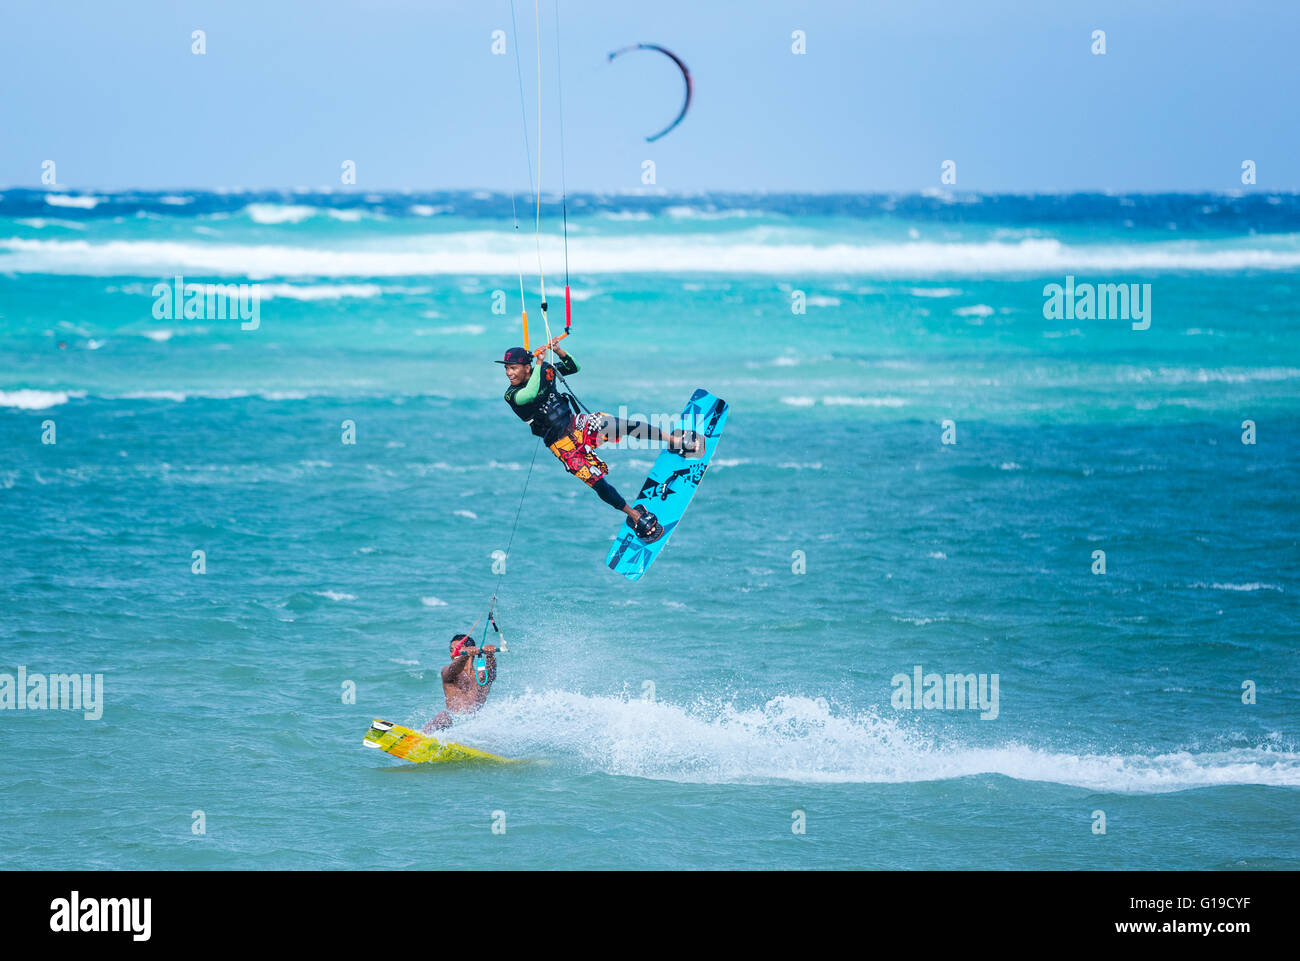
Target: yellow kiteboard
419	748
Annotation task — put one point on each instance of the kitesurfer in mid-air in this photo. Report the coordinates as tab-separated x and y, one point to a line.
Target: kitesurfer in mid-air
464	694
573	437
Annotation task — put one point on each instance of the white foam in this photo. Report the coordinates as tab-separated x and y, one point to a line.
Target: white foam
1204	375
335	595
486	252
69	200
683	212
1252	586
473	330
323	291
863	401
179	396
423	469
279	213
432	602
27	399
799	739
40	223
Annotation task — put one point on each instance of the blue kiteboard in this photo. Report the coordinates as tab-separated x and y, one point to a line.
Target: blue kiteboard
668	490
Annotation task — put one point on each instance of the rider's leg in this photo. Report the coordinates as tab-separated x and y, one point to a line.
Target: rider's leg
615	429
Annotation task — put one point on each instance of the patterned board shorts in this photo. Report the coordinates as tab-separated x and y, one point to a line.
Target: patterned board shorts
577	449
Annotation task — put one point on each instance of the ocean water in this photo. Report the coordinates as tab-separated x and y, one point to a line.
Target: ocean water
739	707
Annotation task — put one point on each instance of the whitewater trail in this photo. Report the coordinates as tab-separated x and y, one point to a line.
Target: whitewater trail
801	739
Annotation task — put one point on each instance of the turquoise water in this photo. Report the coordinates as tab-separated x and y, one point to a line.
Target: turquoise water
683	720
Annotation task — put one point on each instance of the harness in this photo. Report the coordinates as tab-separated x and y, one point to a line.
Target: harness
555	412
552	412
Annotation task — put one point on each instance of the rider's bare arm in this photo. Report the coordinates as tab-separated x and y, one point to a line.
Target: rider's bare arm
455	668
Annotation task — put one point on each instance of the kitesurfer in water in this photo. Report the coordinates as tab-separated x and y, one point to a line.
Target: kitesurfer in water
464	694
573	437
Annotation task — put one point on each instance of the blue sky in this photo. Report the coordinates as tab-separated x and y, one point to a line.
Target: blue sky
410	91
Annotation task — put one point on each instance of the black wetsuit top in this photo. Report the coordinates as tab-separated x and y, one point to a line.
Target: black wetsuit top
540	405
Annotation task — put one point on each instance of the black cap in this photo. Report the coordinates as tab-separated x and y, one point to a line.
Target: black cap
517	355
